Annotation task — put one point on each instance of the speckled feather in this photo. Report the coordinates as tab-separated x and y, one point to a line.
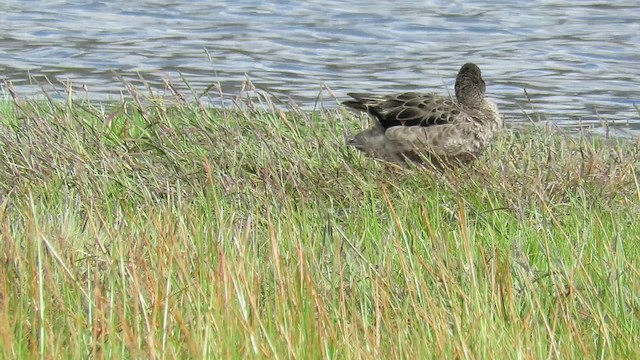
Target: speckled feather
412	124
407	109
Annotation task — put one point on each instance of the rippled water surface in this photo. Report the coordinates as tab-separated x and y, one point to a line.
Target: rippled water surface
579	61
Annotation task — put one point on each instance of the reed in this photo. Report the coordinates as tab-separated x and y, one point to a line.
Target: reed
164	228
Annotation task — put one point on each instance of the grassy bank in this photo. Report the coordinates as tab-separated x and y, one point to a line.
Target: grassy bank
146	230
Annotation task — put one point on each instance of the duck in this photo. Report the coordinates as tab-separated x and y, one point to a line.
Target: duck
427	127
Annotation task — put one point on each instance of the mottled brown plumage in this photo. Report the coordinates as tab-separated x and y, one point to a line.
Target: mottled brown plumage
416	126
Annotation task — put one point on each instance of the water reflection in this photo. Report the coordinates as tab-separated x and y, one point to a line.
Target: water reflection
577	59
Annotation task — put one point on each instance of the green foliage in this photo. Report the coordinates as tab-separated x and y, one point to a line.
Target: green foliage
151	229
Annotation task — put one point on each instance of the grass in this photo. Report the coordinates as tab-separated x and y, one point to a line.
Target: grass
165	229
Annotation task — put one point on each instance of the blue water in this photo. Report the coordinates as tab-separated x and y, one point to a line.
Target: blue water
579	61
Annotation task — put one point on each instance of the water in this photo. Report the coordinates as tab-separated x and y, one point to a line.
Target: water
579	61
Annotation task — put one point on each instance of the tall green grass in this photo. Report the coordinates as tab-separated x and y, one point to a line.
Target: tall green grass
165	229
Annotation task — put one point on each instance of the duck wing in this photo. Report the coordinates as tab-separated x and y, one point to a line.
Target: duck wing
406	109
